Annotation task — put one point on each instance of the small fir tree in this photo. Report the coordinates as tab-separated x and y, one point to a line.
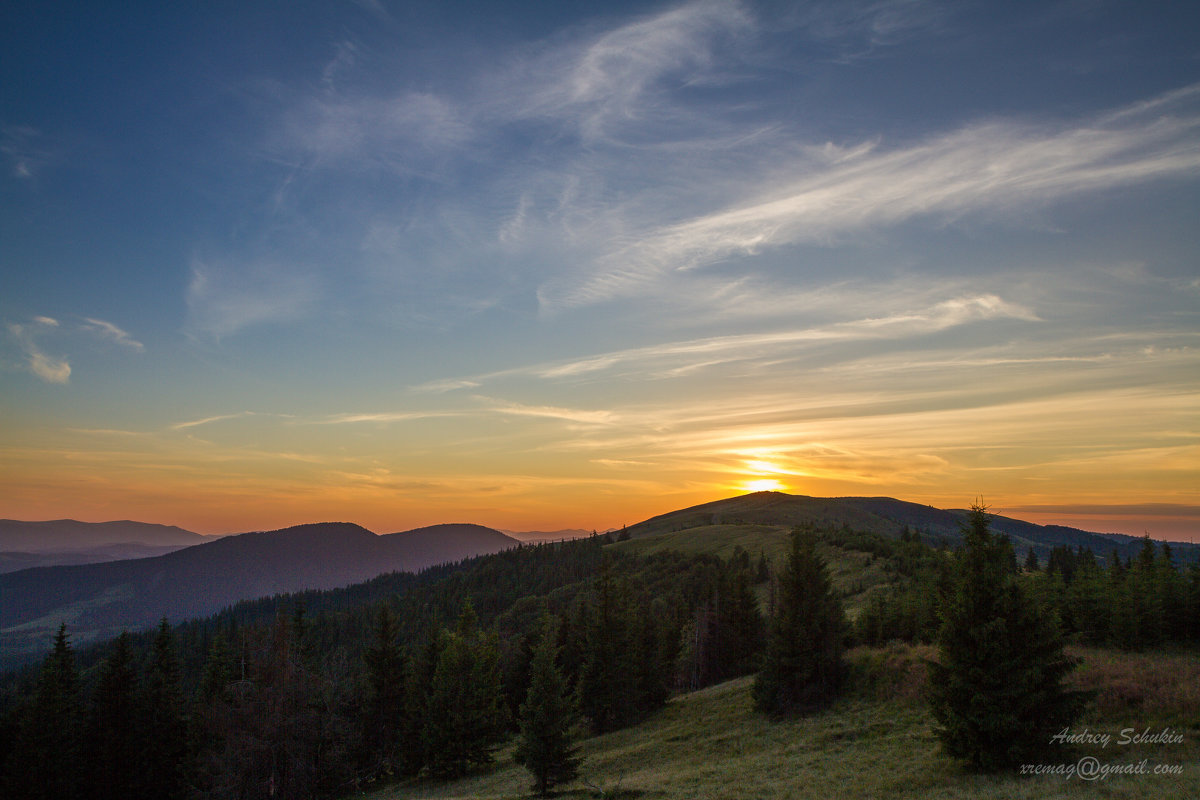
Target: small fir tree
1031	561
997	688
802	667
547	717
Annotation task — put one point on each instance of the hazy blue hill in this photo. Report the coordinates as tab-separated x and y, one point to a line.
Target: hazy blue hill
550	536
13	561
437	544
67	534
102	599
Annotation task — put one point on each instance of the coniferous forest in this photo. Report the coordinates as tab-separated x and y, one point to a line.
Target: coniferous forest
324	694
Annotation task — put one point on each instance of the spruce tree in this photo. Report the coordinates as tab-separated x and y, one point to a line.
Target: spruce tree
219	671
465	718
113	743
997	687
48	754
165	732
547	716
1031	561
385	706
608	677
418	688
802	668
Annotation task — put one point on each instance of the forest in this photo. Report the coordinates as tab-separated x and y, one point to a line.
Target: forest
425	676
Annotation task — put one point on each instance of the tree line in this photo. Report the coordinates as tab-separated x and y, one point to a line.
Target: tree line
1136	603
318	694
323	693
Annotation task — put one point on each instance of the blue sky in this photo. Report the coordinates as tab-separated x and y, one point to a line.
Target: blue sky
543	265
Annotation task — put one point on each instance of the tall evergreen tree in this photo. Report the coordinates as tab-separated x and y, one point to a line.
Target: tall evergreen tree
608	677
385	704
802	667
165	732
465	717
997	688
219	670
49	751
418	686
113	732
547	716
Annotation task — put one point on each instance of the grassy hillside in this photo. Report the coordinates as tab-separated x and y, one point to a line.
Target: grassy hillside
854	573
876	743
885	516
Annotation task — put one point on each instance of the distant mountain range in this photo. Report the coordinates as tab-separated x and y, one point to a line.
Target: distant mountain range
887	516
67	541
549	536
101	600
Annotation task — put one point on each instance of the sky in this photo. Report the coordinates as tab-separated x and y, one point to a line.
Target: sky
547	265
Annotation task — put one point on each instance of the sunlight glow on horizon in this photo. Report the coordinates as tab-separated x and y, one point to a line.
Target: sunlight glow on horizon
577	267
764	485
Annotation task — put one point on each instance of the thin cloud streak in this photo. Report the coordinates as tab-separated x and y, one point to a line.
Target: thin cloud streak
195	423
378	417
589	417
994	166
107	330
711	351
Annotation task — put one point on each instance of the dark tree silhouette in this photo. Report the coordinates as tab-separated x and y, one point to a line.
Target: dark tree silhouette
802	668
997	687
547	716
165	731
113	732
385	702
50	743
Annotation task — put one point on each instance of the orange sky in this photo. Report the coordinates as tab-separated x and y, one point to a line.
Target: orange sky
573	270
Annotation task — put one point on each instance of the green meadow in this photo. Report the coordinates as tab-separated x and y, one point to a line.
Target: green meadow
876	742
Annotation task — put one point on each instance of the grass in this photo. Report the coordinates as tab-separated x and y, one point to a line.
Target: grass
717	539
877	742
852	572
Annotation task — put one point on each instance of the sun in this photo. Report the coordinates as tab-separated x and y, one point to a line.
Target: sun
764	485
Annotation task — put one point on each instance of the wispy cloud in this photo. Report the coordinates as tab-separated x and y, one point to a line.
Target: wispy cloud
860	28
195	423
996	166
714	350
351	418
399	133
26	150
586	416
51	369
223	299
109	331
605	86
56	368
446	385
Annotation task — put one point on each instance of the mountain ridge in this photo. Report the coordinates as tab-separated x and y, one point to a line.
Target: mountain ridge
57	535
887	516
97	600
